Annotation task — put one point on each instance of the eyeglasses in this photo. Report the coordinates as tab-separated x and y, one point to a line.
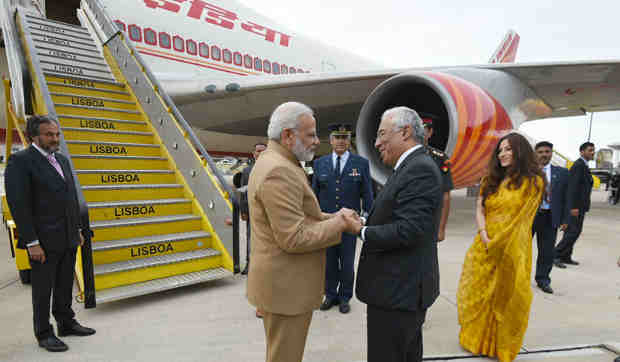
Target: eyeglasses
382	133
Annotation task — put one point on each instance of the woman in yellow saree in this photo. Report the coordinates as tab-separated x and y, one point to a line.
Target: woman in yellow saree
495	293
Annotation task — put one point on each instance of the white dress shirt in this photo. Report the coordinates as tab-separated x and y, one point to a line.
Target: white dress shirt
547	170
343	160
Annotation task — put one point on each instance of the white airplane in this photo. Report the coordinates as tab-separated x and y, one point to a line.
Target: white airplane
227	67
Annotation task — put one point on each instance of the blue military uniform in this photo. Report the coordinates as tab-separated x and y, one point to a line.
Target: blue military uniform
336	190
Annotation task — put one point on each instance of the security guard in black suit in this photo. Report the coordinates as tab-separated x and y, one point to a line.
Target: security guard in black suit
443	162
340	180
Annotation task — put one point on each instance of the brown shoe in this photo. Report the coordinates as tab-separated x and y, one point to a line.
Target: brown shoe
259	313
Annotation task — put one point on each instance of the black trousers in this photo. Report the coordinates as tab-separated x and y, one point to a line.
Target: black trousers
545	239
564	250
55	275
247	238
394	335
339	271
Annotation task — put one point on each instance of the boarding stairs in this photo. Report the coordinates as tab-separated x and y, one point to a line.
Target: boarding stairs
161	214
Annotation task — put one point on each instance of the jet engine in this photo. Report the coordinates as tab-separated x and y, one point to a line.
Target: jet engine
468	121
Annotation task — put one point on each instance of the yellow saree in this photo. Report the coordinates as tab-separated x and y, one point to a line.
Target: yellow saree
494	294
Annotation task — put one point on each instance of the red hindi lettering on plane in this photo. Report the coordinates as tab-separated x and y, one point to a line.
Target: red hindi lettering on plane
268	34
215	14
164	4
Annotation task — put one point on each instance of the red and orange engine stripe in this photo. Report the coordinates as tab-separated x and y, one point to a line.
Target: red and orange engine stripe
482	121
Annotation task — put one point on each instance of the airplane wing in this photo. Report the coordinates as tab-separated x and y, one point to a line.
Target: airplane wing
243	105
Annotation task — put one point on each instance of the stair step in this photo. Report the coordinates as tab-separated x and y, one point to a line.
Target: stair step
79	39
72	70
56	87
104	112
98	162
155	267
101	123
103	135
63	40
109	230
103	193
124	177
53	53
114	148
106	252
83	82
159	285
35	19
93	102
117	210
66	59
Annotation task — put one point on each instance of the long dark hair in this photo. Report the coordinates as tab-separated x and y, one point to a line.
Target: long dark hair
524	165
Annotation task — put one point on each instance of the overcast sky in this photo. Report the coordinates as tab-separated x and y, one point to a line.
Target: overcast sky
407	33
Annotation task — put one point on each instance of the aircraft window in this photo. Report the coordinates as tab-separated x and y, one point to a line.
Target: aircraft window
284	69
204	50
120	25
164	40
150	37
178	43
267	66
135	33
276	68
292	70
191	47
227	55
300	70
247	61
258	64
216	53
237	58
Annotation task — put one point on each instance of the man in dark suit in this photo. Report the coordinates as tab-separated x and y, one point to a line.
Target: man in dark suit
578	198
551	214
241	180
340	180
398	272
40	191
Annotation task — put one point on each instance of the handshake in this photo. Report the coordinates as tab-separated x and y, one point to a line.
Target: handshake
352	221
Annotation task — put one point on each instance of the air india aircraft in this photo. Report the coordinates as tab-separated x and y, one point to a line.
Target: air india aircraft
227	67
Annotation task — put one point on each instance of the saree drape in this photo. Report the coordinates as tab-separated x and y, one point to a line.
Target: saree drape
495	293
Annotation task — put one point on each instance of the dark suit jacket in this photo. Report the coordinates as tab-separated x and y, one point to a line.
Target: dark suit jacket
43	205
240	180
559	184
354	183
398	267
579	186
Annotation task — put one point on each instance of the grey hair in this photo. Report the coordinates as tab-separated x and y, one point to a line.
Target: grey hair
402	116
286	116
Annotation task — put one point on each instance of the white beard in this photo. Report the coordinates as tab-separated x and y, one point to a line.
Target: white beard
302	154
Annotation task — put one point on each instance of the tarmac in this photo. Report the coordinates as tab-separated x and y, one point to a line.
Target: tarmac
214	322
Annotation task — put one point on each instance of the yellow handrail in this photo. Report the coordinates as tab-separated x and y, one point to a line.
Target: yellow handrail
12	121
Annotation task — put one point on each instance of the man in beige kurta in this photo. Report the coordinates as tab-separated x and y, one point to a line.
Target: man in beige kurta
290	234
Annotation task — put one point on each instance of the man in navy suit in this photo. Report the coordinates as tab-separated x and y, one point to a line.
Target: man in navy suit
551	214
578	197
42	197
340	180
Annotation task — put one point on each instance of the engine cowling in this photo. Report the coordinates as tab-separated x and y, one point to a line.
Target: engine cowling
471	121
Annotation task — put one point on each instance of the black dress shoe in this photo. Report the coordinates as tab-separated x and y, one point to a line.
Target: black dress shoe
344	307
53	344
75	330
546	289
559	264
245	271
328	303
570	262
